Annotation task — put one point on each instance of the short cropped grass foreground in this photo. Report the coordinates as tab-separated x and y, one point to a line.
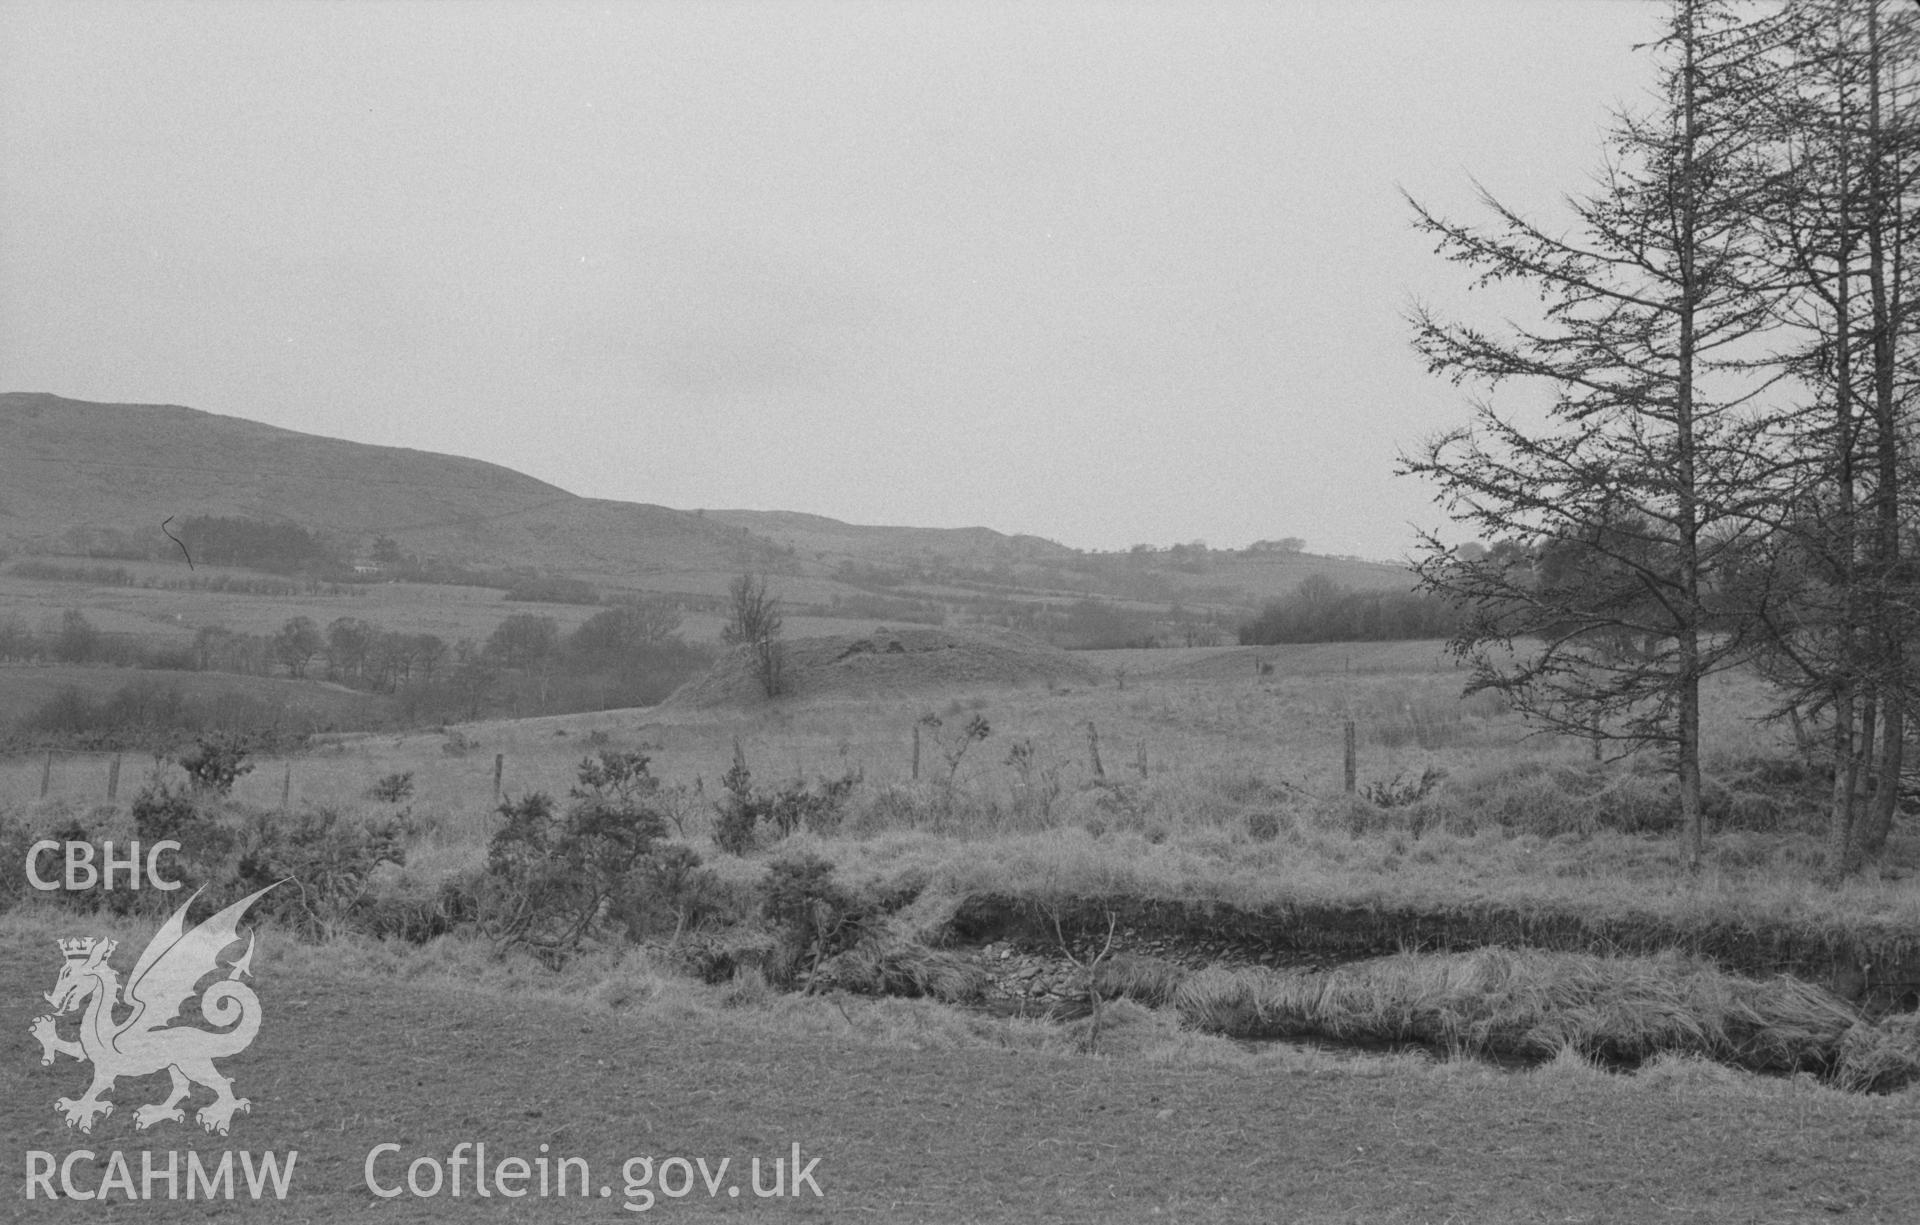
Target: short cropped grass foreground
1529	1004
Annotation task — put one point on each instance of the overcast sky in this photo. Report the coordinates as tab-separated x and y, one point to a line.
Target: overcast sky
1107	273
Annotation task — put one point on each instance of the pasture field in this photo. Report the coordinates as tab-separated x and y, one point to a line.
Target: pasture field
1241	799
170	616
1227	720
1187	776
917	1113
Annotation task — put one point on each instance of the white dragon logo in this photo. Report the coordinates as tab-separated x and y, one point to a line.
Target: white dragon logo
143	1042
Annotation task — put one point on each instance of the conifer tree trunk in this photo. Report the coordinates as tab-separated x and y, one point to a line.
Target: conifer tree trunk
1686	478
1884	284
1850	160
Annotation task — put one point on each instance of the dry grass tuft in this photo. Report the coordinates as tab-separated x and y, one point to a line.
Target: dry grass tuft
1535	1005
1138	976
1881	1058
748	988
1125	1029
888	965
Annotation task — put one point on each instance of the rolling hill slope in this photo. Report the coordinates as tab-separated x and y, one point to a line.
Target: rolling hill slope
86	478
74	474
820	536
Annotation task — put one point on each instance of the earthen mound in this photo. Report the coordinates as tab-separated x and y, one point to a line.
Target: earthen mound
888	662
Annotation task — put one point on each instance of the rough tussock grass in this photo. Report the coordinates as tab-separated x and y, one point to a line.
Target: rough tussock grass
1535	1005
1882	1058
888	965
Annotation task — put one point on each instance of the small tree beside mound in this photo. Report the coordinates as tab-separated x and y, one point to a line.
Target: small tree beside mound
754	622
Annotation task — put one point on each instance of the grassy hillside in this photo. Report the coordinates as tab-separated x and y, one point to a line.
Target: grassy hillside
819	536
98	479
72	471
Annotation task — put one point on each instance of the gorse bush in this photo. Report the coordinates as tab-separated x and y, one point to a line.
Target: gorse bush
555	879
794	806
162	810
670	892
215	762
392	788
549	875
814	916
736	816
623	776
321	863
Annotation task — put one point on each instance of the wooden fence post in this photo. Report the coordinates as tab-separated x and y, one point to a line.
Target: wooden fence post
286	787
1142	761
1093	749
1352	765
499	766
46	774
113	778
916	752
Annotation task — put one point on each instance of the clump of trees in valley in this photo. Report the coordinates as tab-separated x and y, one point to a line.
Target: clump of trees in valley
278	548
1723	472
629	654
1321	610
626	655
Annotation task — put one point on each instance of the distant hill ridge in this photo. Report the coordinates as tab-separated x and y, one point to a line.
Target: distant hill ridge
818	533
227	465
72	471
79	477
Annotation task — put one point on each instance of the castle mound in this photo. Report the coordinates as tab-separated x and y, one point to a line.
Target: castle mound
887	662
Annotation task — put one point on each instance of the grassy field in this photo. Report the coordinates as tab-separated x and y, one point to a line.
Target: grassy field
1215	783
920	1114
162	616
1226	787
168	616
